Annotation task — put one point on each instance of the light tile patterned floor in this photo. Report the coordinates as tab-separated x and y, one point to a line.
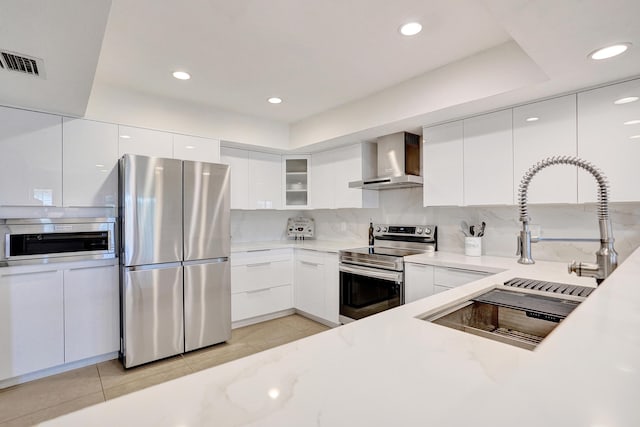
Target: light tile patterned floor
40	400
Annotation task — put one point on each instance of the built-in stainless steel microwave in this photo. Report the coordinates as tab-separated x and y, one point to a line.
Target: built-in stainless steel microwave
31	241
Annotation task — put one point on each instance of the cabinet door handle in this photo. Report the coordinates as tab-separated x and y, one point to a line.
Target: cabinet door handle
259	264
91	268
257	291
25	274
310	263
258	250
464	270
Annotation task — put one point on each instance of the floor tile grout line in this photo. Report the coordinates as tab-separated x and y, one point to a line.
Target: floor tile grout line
104	395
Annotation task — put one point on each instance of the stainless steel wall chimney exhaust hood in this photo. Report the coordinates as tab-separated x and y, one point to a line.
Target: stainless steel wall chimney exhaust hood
399	163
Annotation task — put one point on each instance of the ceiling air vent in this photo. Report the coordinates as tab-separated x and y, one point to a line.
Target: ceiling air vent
20	63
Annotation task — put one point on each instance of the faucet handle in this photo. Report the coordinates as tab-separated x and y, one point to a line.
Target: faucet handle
519	248
573	267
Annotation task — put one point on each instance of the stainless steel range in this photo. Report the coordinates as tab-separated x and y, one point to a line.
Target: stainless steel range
372	277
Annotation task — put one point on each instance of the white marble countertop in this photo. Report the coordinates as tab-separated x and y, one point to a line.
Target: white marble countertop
395	369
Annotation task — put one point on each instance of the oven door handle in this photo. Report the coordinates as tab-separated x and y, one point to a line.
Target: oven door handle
376	274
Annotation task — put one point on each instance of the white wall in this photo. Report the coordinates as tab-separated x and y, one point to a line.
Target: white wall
404	206
127	107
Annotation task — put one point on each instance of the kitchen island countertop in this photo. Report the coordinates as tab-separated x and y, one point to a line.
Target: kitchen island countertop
395	369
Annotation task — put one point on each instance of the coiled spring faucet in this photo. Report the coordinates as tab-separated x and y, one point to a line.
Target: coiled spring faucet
606	257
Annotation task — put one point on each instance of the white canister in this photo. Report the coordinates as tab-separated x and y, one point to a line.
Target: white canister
473	246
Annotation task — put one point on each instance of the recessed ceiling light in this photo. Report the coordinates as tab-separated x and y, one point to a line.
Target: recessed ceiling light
125	136
189	147
181	75
632	122
634	137
275	100
99	165
532	119
411	29
609	51
626	100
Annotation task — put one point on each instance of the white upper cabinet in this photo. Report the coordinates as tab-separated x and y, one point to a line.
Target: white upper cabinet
349	167
297	179
609	137
265	180
541	130
30	159
145	142
443	165
197	149
488	159
256	178
322	187
238	160
332	171
89	163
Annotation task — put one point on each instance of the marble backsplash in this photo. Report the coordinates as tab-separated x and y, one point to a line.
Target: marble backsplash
404	206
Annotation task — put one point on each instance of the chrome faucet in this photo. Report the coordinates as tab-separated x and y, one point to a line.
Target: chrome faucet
606	257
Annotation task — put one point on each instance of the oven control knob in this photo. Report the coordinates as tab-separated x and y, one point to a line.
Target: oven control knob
419	230
427	230
377	229
384	229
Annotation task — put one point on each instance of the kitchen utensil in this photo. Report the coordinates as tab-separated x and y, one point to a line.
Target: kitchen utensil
482	226
464	227
472	230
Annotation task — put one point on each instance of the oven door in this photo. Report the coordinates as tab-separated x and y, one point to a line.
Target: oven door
366	291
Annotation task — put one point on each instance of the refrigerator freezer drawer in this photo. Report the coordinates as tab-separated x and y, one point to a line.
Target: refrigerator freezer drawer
153	325
207	302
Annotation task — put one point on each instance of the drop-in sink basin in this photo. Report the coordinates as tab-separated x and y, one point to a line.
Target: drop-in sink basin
520	318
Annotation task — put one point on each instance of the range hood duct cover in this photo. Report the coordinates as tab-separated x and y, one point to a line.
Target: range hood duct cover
399	160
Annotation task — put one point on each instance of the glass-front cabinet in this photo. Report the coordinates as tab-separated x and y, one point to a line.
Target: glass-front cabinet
296	182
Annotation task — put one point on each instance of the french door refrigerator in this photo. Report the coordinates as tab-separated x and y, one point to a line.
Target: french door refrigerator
175	243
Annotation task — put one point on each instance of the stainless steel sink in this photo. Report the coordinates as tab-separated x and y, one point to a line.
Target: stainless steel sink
522	318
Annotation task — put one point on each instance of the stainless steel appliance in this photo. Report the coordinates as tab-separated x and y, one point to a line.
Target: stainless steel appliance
398	163
372	277
175	273
45	240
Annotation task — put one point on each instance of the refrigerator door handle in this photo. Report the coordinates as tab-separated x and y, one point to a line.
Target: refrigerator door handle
152	266
207	261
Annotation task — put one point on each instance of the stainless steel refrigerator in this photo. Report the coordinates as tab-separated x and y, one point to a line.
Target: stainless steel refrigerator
175	242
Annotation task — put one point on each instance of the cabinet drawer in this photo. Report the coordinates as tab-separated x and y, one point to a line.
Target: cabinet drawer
245	305
261	275
452	277
260	255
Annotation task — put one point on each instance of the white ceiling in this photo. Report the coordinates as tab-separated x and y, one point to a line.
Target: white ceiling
326	59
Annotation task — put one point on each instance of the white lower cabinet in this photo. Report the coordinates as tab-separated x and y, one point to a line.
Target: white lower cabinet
418	281
91	312
31	320
445	278
267	281
332	287
261	283
317	284
309	279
